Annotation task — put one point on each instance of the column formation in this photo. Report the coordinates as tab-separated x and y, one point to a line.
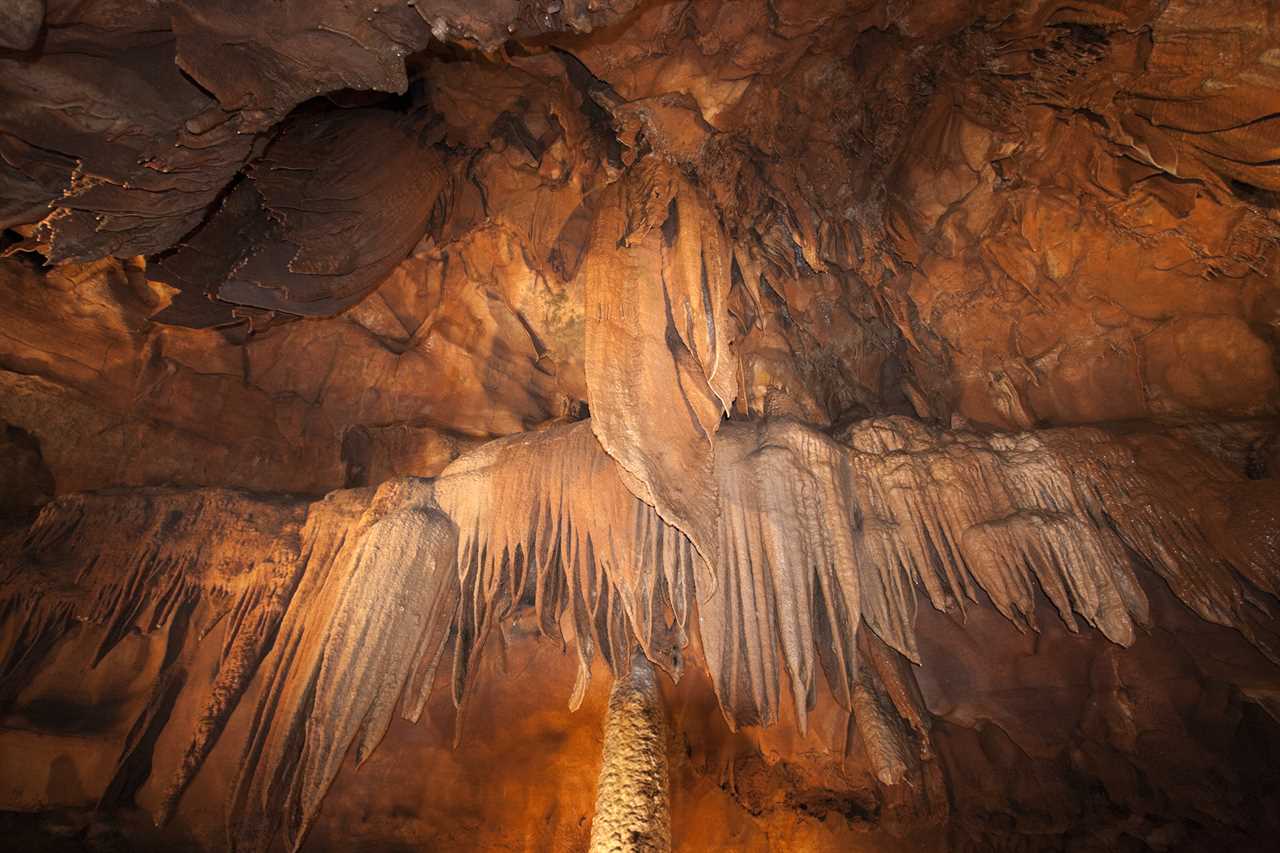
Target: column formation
633	811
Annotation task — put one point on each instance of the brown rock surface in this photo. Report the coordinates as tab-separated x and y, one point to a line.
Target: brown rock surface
901	379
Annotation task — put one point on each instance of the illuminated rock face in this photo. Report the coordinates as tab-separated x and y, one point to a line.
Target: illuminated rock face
898	381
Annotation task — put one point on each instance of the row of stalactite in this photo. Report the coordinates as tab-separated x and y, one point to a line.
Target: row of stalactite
344	609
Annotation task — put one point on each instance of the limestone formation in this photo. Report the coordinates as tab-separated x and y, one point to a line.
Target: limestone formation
632	803
883	395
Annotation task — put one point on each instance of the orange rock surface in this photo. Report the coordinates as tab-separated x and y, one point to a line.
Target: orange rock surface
901	379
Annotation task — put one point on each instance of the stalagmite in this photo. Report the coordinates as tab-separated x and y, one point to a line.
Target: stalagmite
633	810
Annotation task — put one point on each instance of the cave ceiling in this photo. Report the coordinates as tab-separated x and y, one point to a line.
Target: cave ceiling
802	344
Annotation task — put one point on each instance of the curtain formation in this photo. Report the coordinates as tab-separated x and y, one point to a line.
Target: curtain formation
346	607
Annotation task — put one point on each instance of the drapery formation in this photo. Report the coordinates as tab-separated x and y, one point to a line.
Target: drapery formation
315	244
364	624
345	607
660	371
544	519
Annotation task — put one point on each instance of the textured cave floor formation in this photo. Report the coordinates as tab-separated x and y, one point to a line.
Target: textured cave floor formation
901	379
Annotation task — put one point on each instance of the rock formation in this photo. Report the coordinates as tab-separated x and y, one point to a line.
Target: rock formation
632	803
884	393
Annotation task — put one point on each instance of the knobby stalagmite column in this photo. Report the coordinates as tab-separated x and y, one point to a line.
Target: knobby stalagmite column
633	812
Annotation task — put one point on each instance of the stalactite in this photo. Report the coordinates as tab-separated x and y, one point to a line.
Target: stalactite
1054	509
134	764
348	644
883	733
128	560
252	624
633	810
888	712
787	579
955	514
814	535
1155	510
29	629
544	518
348	612
696	224
892	674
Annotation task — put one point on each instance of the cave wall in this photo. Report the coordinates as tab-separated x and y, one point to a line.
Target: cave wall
1019	214
680	256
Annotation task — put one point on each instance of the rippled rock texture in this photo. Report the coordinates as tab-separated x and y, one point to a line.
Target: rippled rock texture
899	379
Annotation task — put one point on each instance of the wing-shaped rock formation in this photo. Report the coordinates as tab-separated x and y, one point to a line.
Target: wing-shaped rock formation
349	614
899	380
